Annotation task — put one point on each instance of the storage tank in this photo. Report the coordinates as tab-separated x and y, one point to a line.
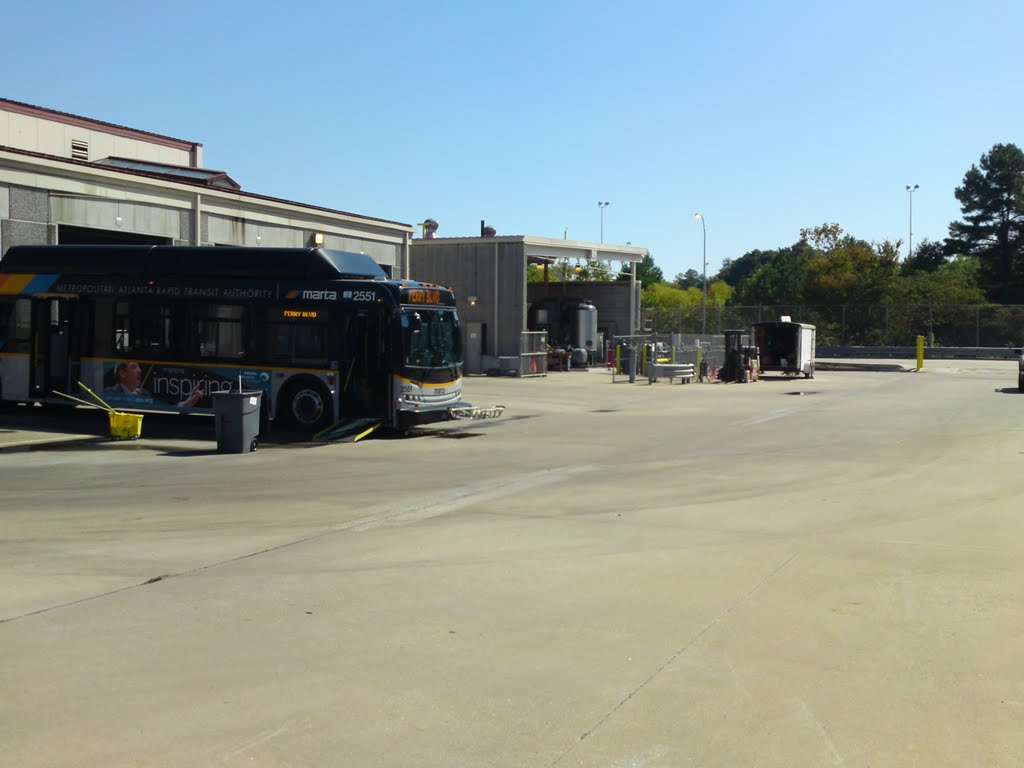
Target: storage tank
585	333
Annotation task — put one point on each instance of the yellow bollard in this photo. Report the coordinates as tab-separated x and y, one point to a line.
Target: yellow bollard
618	358
920	352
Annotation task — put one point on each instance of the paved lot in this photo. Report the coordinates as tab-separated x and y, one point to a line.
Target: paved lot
792	572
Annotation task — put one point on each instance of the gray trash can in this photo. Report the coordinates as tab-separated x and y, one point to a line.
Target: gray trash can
236	417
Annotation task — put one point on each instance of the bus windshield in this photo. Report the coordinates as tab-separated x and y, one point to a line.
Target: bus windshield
430	338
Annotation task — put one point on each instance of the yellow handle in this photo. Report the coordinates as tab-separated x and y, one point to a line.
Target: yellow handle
105	405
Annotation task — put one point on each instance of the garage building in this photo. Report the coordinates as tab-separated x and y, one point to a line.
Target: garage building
66	179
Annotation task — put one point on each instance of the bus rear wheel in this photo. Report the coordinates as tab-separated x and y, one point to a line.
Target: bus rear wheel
306	406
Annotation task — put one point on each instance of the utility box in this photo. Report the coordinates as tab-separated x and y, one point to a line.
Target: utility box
785	347
236	418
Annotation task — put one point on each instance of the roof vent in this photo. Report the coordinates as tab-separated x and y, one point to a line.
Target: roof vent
79	150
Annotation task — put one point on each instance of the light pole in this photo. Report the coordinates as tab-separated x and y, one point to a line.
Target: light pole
602	206
910	239
703	279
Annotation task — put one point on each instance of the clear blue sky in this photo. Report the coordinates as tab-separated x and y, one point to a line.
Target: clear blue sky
766	117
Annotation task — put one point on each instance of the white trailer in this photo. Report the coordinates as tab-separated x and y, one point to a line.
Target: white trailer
785	347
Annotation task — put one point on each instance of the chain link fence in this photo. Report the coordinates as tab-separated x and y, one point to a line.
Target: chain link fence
944	325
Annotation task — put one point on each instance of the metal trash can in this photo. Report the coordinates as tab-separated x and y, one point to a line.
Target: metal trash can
236	417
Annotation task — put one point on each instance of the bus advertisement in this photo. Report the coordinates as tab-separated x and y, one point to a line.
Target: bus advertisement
324	335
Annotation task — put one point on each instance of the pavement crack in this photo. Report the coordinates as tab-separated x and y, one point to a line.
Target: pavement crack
671	660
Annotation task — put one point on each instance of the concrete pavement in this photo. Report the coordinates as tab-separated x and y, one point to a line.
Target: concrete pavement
37	428
610	575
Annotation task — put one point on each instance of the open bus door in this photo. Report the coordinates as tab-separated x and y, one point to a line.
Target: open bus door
365	390
50	364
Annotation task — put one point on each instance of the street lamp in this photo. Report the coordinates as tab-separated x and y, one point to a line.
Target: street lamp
703	279
910	240
602	206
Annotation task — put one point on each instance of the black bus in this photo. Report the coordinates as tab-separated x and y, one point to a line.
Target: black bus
324	334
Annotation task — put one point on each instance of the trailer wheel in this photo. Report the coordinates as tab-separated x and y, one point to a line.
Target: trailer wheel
305	405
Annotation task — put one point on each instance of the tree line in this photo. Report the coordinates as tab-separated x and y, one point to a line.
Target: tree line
980	262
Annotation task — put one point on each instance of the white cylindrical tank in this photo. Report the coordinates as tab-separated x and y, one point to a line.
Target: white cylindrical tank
586	327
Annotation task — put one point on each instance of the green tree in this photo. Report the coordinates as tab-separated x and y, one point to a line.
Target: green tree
952	282
688	279
779	279
928	257
666	296
596	271
736	271
826	237
992	201
647	271
852	272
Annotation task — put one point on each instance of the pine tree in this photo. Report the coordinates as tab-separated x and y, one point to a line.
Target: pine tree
992	201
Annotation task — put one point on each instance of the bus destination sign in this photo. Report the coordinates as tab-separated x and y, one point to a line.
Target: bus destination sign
423	296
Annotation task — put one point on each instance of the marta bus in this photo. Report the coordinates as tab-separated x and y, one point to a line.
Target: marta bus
323	334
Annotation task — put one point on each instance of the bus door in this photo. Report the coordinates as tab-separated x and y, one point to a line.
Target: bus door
51	333
366	387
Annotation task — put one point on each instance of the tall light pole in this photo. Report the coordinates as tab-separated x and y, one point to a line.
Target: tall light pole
703	279
910	240
602	206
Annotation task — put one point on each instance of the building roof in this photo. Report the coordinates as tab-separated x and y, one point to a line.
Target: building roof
88	122
547	249
83	164
187	173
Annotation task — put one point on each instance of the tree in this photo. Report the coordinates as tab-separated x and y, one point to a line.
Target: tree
647	271
736	271
666	296
928	257
952	282
779	280
597	271
992	201
827	237
688	279
852	272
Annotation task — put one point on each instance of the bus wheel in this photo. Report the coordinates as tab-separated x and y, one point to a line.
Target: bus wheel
305	405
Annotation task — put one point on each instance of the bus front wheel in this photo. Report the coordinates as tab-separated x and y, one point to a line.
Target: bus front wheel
306	405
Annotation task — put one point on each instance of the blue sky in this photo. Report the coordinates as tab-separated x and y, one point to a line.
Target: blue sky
766	117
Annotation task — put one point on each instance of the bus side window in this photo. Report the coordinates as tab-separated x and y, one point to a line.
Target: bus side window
218	331
122	327
298	343
279	342
15	325
143	328
311	343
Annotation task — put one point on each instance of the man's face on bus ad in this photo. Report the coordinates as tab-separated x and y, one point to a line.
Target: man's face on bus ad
130	376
